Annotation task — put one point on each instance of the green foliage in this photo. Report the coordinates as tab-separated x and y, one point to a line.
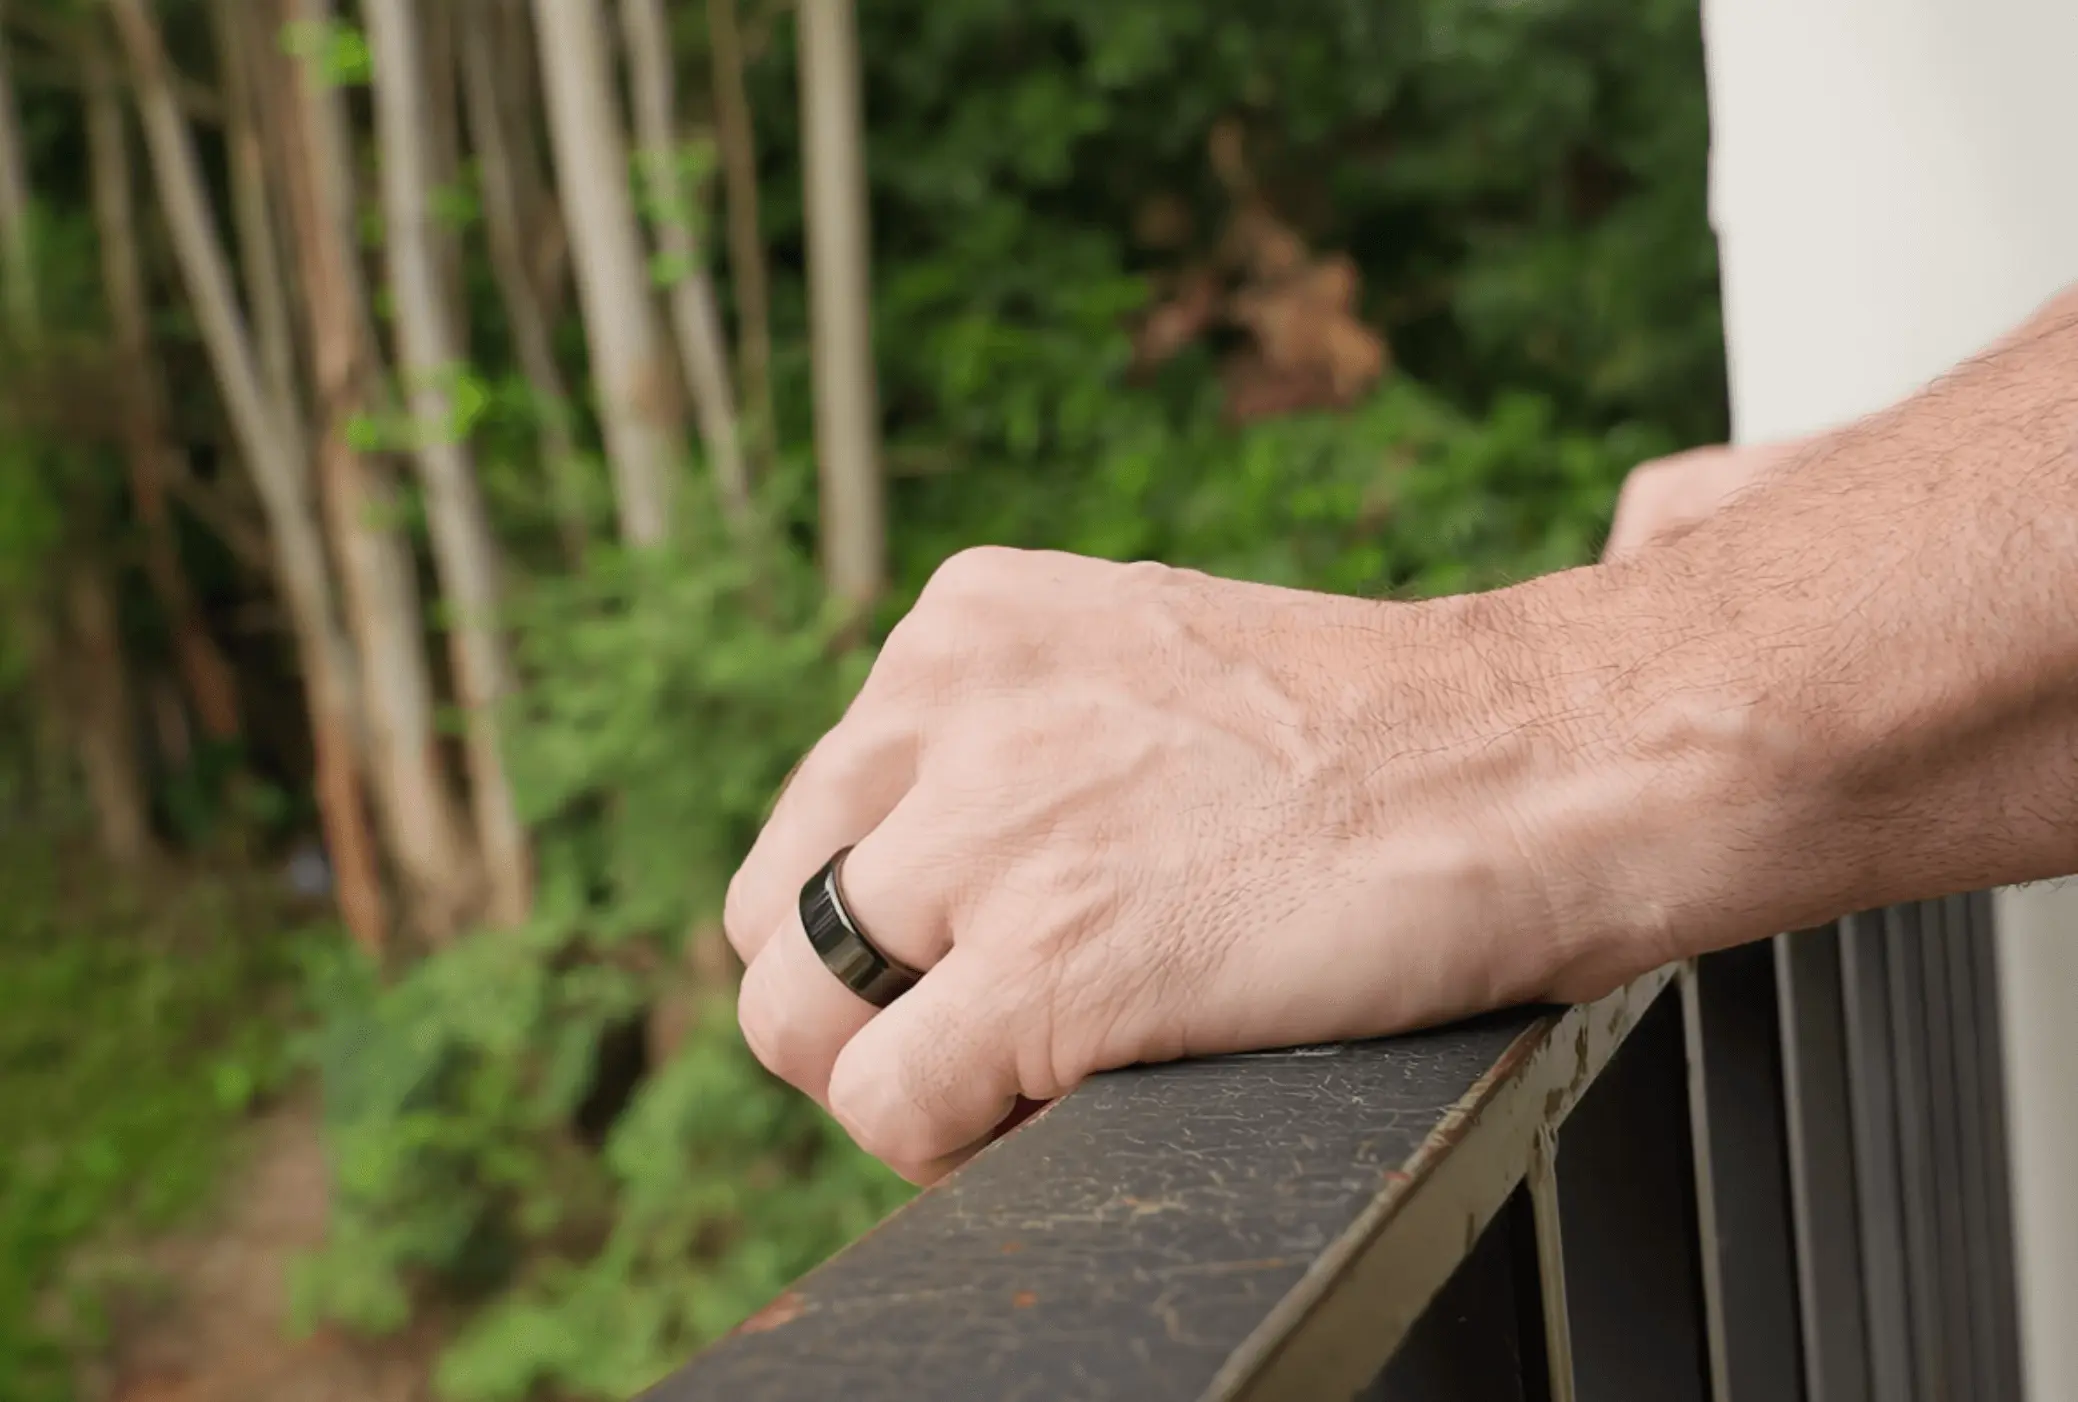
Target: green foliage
31	525
338	50
684	171
464	394
45	476
662	716
1403	495
136	1028
449	1105
727	1188
1522	184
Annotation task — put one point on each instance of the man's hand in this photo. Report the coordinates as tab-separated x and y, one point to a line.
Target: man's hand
1664	499
1126	813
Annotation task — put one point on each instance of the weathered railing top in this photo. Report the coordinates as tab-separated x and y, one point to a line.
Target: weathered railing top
1246	1227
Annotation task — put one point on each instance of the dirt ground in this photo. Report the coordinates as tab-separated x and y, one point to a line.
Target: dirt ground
208	1319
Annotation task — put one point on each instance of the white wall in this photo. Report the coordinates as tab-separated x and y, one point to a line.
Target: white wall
1894	183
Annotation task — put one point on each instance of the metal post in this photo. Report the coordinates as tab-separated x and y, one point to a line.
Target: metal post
1634	1256
1551	1265
1831	1298
1740	1130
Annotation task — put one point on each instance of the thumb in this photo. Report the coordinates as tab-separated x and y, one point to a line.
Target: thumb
926	1083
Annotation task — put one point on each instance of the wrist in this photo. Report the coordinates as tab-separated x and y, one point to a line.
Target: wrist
1662	781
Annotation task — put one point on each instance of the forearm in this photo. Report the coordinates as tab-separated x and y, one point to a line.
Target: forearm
1858	683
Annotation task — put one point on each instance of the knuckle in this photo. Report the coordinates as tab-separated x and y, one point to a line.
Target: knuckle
919	1175
1645	498
920	684
927	647
891	1143
1644	481
765	1032
1149	576
971	642
754	1024
885	1124
738	922
844	759
976	569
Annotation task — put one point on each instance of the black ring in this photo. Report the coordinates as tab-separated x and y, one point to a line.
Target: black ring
846	950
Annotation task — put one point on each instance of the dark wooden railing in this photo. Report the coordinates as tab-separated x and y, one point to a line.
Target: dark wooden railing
1776	1175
